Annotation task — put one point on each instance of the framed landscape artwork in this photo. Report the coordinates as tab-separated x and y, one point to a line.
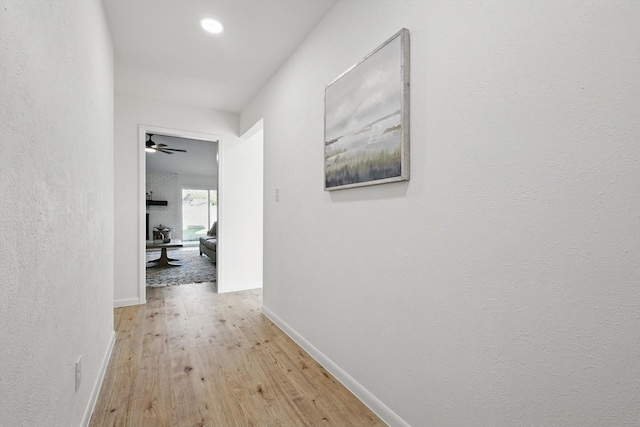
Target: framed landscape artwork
366	125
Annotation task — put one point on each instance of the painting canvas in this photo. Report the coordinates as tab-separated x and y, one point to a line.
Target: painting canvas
367	119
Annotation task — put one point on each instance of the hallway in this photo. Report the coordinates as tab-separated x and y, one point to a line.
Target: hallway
192	357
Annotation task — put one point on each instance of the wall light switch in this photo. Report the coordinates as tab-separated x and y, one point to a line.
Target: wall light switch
277	194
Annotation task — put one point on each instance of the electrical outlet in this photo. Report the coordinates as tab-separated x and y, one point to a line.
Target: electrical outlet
277	194
78	372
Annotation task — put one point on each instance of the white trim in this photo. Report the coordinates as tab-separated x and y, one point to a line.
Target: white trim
93	398
142	204
257	127
142	210
220	231
125	302
365	396
241	287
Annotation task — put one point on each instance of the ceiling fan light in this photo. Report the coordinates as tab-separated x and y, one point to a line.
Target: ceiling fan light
150	149
211	26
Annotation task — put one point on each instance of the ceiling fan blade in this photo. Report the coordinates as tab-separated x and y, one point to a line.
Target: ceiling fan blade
161	147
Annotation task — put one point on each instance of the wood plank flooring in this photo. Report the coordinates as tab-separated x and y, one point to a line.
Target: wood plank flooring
192	357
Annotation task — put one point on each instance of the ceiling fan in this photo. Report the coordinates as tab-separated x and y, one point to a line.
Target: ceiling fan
152	147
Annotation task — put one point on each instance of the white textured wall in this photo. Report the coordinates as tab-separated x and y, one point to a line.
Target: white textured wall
500	286
130	112
56	208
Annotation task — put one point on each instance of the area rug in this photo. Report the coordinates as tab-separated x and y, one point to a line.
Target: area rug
195	268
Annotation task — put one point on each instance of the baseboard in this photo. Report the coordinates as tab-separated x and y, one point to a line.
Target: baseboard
239	287
127	302
366	397
93	398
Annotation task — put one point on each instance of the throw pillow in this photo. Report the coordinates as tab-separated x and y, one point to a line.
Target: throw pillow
214	229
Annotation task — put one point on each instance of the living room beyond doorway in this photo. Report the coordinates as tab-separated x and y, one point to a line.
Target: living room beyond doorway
181	180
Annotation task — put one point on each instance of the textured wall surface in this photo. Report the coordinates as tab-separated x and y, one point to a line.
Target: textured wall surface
500	286
56	207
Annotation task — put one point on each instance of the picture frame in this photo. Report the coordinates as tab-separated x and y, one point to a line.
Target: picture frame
366	127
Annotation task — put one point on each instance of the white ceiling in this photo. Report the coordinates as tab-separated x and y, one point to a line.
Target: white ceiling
200	158
161	52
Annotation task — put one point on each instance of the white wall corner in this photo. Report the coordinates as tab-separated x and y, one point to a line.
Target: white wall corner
365	396
257	127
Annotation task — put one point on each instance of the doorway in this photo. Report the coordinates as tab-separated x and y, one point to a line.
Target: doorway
163	177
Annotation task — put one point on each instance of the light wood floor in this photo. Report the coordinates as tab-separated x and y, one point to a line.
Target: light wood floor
191	357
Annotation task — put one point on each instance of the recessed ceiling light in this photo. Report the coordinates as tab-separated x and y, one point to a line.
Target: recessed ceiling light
211	26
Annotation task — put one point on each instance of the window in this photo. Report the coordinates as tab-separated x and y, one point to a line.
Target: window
199	212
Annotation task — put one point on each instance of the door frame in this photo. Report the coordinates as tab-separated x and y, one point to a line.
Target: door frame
142	184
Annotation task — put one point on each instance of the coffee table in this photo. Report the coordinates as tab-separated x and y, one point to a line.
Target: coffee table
164	260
